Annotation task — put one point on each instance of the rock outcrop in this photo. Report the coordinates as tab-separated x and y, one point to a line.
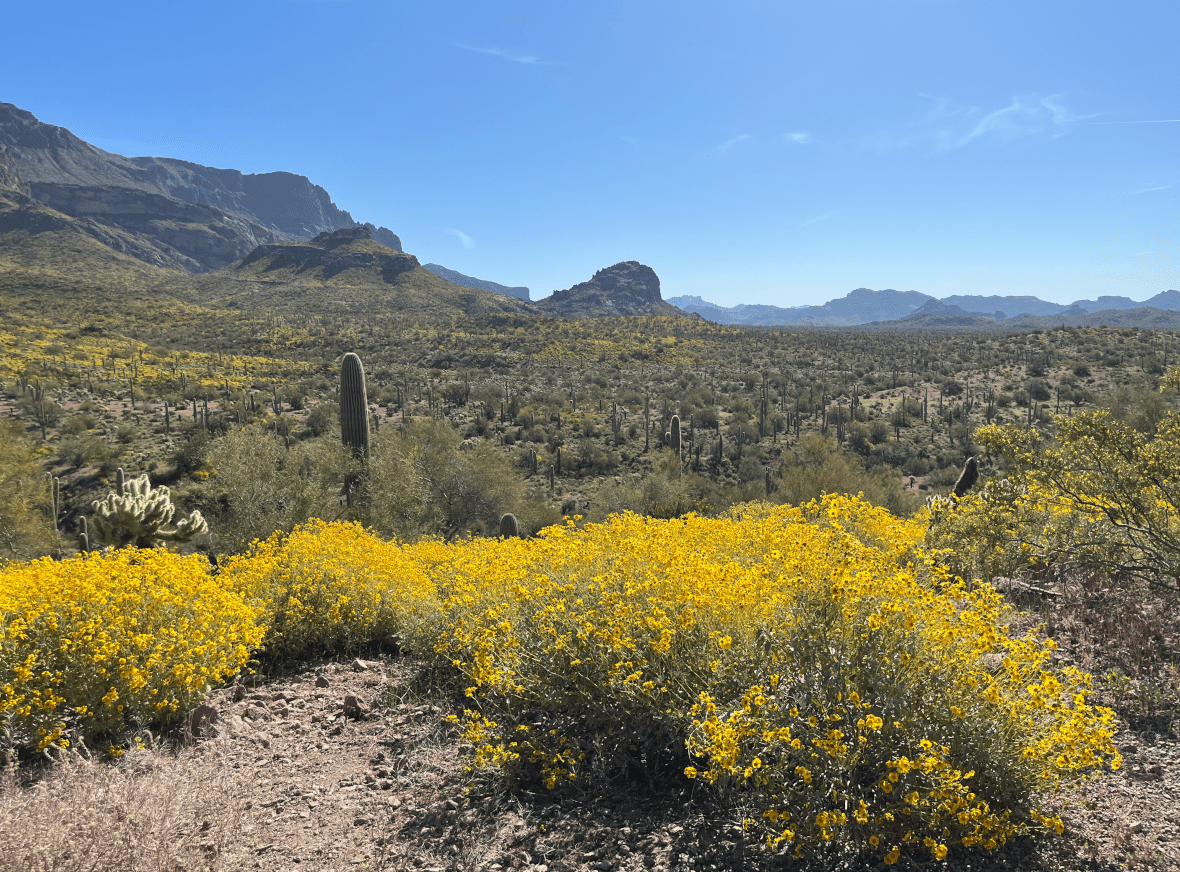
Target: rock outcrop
330	254
168	212
627	288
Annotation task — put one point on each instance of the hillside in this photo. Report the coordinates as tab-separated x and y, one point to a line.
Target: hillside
343	271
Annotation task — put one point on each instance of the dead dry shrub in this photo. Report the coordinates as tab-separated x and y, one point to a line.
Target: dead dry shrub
1124	632
148	812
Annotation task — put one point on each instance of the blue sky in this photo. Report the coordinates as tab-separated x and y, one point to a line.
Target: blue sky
769	152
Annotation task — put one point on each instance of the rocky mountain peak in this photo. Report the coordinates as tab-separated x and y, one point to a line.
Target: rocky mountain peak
628	281
627	288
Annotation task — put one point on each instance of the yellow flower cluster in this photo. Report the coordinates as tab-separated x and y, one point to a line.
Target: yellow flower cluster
811	658
808	656
332	587
89	644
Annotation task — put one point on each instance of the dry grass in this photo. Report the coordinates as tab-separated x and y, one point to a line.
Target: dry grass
150	812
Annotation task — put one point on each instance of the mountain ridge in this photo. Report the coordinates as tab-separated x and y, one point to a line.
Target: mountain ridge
174	213
866	306
457	278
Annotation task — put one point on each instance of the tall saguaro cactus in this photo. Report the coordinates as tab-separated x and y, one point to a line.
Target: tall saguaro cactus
354	406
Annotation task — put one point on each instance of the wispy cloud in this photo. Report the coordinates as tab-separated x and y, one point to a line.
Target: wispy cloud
506	55
1152	121
817	219
467	241
1023	117
1153	188
730	143
798	138
949	126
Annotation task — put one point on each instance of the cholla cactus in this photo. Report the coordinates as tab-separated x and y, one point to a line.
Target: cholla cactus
139	517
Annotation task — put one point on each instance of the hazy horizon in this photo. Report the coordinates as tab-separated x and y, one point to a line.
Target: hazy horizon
781	155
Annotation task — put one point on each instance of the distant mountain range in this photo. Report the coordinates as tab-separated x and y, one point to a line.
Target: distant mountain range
457	278
913	309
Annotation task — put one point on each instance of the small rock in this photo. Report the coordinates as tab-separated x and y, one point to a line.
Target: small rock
256	713
360	665
1155	770
1128	749
361	822
321	681
353	707
239	693
1136	827
204	720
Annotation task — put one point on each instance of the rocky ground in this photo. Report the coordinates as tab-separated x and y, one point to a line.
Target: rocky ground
353	766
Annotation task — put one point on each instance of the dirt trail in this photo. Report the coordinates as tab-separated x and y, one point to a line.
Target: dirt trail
385	787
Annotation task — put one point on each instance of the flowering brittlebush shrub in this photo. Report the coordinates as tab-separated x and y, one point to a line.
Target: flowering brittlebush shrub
332	587
90	644
810	658
1099	495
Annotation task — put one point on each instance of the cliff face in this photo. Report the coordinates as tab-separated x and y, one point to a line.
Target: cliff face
627	288
179	214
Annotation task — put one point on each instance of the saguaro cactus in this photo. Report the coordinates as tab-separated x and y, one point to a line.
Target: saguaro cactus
509	526
354	406
55	495
139	516
674	434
